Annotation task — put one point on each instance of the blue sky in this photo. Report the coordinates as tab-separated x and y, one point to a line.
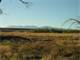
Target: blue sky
41	13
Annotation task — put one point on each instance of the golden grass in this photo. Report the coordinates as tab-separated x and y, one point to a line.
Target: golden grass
52	46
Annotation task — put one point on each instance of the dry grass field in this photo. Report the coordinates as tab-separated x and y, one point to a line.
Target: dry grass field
39	46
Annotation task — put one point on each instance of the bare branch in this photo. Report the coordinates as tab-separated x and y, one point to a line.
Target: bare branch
0	1
72	24
27	3
24	2
1	11
73	21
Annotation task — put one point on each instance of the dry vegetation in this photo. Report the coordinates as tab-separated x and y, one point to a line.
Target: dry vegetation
39	46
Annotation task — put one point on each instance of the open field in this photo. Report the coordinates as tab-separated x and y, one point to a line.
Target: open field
39	46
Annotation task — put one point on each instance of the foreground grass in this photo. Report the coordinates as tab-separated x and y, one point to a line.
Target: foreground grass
42	46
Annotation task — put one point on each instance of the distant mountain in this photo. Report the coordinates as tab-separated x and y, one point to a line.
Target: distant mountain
28	27
34	27
37	29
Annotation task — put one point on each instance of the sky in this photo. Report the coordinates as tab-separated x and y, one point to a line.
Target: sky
40	13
